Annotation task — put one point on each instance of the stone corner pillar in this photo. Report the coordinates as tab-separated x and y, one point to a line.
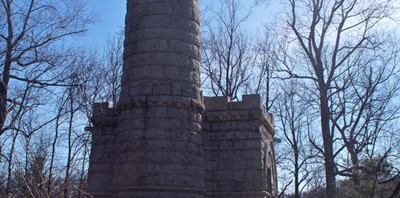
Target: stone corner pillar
102	155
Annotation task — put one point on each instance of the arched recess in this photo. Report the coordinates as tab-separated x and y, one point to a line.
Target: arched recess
269	167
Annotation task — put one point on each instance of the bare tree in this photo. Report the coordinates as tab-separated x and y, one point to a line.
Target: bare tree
58	122
329	38
72	111
22	129
34	57
365	105
103	75
31	47
262	79
293	115
227	57
39	67
113	65
100	81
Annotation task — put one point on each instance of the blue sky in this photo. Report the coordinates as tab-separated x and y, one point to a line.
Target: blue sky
111	15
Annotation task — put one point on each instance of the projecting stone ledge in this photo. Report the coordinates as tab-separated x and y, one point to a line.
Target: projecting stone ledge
104	115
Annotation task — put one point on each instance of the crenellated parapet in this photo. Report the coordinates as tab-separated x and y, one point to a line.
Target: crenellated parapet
104	115
250	108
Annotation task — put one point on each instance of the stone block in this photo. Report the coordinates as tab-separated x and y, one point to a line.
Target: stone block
231	165
211	186
147	88
216	103
135	91
133	123
178	113
176	89
188	91
146	72
211	145
132	60
226	145
238	145
174	73
194	77
252	101
250	154
252	144
130	147
161	90
130	135
254	180
101	108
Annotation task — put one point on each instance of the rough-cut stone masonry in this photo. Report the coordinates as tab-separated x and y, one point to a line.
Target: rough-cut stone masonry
151	144
238	147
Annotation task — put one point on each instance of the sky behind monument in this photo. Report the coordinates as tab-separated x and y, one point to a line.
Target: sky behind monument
110	16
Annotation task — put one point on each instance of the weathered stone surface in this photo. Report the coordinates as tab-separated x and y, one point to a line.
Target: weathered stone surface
163	139
236	136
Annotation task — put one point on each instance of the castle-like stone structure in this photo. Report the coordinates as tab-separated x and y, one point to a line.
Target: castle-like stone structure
163	138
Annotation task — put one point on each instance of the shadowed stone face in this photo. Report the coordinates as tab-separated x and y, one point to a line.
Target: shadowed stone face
159	140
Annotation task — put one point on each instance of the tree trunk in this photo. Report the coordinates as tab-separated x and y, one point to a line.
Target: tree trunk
3	104
10	165
69	158
328	144
53	152
296	175
355	170
7	68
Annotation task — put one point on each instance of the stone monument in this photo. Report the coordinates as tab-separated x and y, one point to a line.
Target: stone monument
163	139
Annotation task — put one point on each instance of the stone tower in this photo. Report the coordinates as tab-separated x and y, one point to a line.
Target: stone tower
151	144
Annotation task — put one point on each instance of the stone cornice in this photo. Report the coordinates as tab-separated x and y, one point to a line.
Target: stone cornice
161	101
106	115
